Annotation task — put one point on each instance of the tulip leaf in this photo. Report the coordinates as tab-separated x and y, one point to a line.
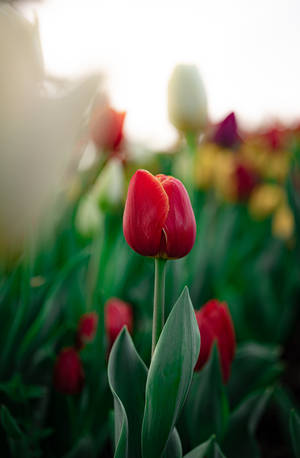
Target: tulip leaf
240	441
208	449
170	376
120	417
174	447
206	410
295	432
254	366
10	425
127	378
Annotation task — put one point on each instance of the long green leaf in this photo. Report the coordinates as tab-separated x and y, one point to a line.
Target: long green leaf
170	376
295	432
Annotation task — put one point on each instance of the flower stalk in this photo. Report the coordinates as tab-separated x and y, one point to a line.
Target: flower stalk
159	300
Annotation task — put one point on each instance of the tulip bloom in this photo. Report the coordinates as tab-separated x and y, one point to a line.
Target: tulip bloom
187	104
215	324
117	314
226	133
87	328
68	372
158	218
107	128
245	180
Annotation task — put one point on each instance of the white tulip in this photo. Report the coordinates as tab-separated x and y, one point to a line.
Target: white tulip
187	103
108	190
37	132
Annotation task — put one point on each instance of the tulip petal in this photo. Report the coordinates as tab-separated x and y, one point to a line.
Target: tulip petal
180	225
145	213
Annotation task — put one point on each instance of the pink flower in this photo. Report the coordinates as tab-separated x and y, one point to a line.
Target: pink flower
215	324
68	372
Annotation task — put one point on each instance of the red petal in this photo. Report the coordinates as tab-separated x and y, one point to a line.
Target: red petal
145	213
180	225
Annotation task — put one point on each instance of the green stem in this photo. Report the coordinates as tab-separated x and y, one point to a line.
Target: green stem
159	300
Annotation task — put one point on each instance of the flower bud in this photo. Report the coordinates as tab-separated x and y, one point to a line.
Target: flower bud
87	328
108	190
106	128
117	314
265	199
226	132
158	217
245	180
215	325
187	104
88	219
68	372
283	223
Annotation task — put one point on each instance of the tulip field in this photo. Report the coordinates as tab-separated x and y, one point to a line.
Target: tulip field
149	303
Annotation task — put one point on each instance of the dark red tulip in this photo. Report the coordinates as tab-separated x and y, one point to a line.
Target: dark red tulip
245	180
107	128
68	372
226	132
117	314
87	328
158	217
215	325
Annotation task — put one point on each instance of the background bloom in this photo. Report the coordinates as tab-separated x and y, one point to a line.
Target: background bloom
215	324
117	314
187	104
68	372
87	328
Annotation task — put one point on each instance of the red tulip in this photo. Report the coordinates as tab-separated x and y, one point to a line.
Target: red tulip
117	315
87	328
215	324
245	180
107	128
68	372
158	217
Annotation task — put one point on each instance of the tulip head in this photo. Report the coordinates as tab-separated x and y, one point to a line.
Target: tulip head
283	223
158	218
87	328
226	132
68	372
215	325
107	128
265	199
88	219
108	189
117	314
187	104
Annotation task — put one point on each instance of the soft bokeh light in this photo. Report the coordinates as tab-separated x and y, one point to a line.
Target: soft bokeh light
247	53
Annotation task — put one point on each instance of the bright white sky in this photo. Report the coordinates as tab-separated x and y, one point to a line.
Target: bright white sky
247	52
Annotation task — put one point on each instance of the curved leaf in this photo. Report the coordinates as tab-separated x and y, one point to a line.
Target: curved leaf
206	410
127	378
170	376
295	432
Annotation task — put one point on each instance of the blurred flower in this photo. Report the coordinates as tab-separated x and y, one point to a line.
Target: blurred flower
87	328
68	372
226	132
283	223
187	104
245	180
158	217
108	190
205	165
37	135
215	324
107	128
265	199
117	314
88	219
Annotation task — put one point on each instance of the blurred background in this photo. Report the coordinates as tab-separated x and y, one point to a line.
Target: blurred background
246	52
